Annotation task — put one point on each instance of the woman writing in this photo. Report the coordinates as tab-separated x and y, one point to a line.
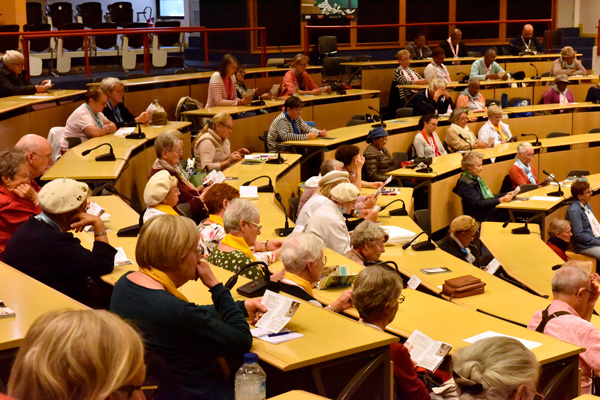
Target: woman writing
212	149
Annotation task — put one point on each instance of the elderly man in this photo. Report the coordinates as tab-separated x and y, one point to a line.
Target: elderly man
487	67
471	98
437	69
302	256
38	152
12	77
568	318
454	47
522	172
526	43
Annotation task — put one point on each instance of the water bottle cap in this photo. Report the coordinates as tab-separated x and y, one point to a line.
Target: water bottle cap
250	358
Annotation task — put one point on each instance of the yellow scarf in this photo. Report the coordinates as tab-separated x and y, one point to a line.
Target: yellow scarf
303	283
164	280
166	209
238	243
503	135
216	219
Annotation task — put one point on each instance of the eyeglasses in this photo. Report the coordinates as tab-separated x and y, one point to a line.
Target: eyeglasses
259	227
228	126
585	290
49	157
324	260
401	299
302	64
538	396
132	388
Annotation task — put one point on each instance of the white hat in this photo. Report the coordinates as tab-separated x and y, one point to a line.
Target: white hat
333	176
63	195
344	192
157	188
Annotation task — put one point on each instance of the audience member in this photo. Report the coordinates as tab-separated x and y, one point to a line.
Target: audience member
298	81
471	98
487	67
567	63
426	142
212	149
79	354
241	86
353	164
115	110
494	131
459	136
376	295
433	100
38	153
526	43
378	159
559	237
463	230
585	226
289	125
161	194
59	260
568	317
559	93
405	75
312	184
217	199
417	48
190	338
239	247
522	172
478	201
222	85
13	81
454	46
593	94
437	69
368	243
87	121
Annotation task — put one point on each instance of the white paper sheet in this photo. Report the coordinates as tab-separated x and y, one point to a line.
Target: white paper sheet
527	343
249	192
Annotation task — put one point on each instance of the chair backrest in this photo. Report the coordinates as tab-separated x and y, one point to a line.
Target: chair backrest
528	187
38	45
399	157
61	14
328	45
136	41
54	137
474	54
557	134
184	209
186	70
506	185
352	122
546	74
73	43
9	42
294	203
555	37
106	41
361	58
159	373
332	66
73	141
90	13
404	112
168	39
136	75
595	130
578	172
423	219
34	12
490	101
263	139
121	12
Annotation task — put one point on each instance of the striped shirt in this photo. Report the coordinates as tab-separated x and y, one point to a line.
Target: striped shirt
217	93
405	78
281	130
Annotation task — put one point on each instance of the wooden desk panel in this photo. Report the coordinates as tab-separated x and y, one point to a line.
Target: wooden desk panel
581	158
585	122
334	115
42	120
247	130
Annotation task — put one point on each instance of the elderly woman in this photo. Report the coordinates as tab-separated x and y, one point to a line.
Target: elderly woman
12	77
169	150
499	368
312	184
239	247
58	259
471	98
522	172
567	64
559	93
368	243
241	86
189	337
73	353
478	201
376	295
494	131
593	94
87	121
458	136
378	159
161	195
585	226
18	199
115	110
302	256
217	199
222	86
328	222
559	237
427	143
434	99
353	164
298	81
212	149
404	75
461	234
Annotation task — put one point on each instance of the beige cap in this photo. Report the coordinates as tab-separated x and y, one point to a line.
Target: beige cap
157	188
561	78
63	195
345	192
333	176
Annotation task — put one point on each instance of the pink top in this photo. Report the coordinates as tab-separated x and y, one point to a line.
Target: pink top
218	94
575	330
287	88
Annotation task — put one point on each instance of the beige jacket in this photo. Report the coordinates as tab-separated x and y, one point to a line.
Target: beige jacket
210	150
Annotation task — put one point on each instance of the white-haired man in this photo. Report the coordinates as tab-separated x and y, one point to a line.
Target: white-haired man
38	153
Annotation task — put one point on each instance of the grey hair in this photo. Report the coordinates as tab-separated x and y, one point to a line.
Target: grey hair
367	233
108	84
330	165
469	159
166	141
568	280
300	248
500	364
10	161
557	226
523	147
239	210
12	57
494	110
374	287
456	113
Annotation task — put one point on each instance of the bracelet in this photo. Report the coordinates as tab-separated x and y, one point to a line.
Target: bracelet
331	308
266	245
100	234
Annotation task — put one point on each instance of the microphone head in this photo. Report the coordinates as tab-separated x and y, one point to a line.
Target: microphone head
546	172
522	134
405	245
505	224
86	152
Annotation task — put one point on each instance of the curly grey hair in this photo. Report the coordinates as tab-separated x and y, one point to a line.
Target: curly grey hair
239	210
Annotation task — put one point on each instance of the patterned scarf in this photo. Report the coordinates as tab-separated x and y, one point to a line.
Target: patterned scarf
177	170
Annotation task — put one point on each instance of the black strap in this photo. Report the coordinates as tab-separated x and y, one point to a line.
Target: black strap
546	318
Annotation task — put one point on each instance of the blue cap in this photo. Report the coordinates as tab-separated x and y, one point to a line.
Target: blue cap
377	133
250	358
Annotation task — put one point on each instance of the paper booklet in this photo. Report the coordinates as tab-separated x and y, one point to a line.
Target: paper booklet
281	310
425	351
336	277
5	312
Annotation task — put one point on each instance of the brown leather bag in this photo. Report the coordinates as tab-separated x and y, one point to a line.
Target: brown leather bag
463	286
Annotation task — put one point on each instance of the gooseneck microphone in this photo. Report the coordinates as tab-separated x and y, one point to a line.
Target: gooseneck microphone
262	189
559	192
381	123
537	140
463	138
133	230
537	74
281	232
110	156
523	230
137	135
422	246
398	211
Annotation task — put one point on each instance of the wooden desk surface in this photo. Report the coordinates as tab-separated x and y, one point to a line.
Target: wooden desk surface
73	165
29	299
14	102
551	107
247	172
496	82
298	395
448	60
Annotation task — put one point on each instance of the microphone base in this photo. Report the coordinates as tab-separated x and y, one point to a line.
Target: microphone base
536	77
379	124
265	189
423	246
278	160
399	212
538	143
257	288
140	135
425	170
521	231
282	232
558	193
129	231
106	157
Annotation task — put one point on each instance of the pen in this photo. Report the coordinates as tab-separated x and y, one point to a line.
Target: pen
279	334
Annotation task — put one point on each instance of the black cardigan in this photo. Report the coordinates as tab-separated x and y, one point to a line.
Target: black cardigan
450	246
13	85
462	49
423	105
127	117
473	202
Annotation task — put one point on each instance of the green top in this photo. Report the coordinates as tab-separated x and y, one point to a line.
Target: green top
233	261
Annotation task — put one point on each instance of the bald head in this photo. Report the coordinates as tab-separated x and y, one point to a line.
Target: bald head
527	32
456	36
38	152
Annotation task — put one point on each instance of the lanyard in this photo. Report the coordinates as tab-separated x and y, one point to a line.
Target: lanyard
96	117
443	68
431	142
455	52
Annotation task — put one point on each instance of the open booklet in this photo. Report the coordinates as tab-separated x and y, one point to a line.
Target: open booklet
425	351
5	312
337	276
281	309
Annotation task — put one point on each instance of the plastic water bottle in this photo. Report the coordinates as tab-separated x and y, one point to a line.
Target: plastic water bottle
295	90
250	380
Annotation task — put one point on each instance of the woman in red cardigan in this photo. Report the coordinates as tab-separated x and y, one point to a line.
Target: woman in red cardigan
559	233
522	171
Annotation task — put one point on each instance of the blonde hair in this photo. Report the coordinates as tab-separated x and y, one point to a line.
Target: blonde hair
500	365
402	53
436	83
164	242
299	58
76	354
367	233
325	190
464	223
557	226
220	118
374	287
494	110
567	51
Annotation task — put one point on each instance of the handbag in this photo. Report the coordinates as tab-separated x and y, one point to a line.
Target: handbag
463	286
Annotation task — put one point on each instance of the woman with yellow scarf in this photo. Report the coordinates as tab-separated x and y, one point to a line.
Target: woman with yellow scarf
494	131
